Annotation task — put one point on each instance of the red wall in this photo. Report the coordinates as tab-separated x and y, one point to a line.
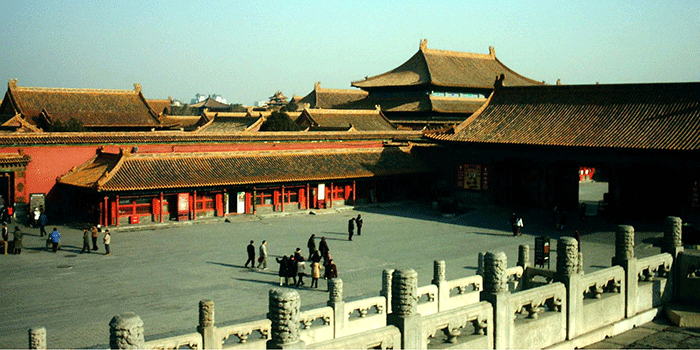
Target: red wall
49	162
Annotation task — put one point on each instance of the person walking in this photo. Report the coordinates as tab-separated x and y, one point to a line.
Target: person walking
94	231
263	255
17	238
351	228
311	244
251	255
86	242
358	221
35	217
107	240
292	269
5	232
55	238
315	273
301	271
516	224
43	220
323	248
331	270
283	270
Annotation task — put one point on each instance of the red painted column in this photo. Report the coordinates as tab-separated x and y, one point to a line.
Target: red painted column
354	188
161	207
105	223
308	193
116	205
332	194
282	202
194	207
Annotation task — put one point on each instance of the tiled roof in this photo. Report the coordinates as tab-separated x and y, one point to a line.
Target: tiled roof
329	98
19	124
93	107
420	103
344	119
441	68
177	137
159	106
637	116
220	123
133	172
211	104
14	159
187	122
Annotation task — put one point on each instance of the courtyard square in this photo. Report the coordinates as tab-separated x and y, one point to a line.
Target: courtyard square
162	273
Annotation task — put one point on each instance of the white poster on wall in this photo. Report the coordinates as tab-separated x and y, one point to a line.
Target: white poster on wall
240	203
321	192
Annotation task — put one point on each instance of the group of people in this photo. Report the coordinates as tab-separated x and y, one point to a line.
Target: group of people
351	226
94	233
294	266
17	235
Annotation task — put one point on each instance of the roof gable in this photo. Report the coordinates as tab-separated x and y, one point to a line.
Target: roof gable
92	107
330	98
450	69
637	116
344	119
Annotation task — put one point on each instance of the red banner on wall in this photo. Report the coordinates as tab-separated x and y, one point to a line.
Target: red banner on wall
183	203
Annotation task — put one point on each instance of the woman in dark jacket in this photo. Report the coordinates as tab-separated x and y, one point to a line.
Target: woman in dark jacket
292	269
283	269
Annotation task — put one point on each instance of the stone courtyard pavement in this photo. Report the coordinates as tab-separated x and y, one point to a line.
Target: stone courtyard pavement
162	273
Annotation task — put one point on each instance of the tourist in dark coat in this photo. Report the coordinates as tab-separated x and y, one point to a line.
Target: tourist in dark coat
251	255
292	269
331	270
86	242
358	221
351	228
43	220
284	262
17	234
323	248
311	244
316	257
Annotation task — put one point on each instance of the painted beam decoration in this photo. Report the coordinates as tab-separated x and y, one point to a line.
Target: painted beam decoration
473	177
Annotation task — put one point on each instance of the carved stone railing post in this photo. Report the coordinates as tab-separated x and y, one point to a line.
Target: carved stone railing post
673	236
37	338
284	314
524	256
126	332
673	244
496	292
404	306
568	268
335	300
441	282
206	325
580	263
480	264
386	288
624	256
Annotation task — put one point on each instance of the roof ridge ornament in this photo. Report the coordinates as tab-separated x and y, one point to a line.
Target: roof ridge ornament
137	87
317	85
423	44
492	52
12	83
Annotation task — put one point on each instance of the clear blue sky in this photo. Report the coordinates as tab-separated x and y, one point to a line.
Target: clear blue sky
247	50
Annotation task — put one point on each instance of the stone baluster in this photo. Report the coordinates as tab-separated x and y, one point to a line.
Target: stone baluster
496	292
568	273
441	282
524	256
624	256
673	235
673	244
37	338
580	263
126	332
386	288
480	264
284	314
404	306
335	300
206	325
